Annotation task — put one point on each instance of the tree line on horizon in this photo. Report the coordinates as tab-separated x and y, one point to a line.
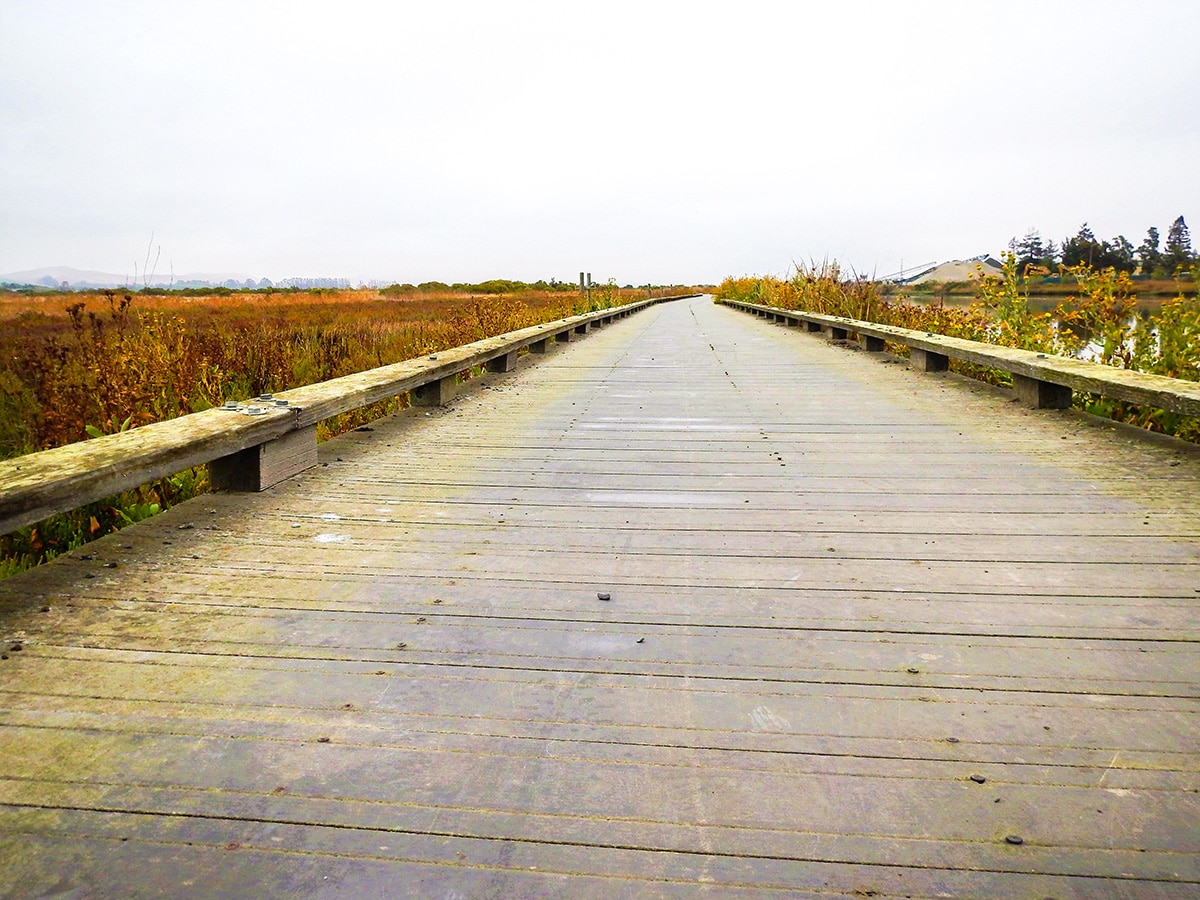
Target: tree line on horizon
490	286
1175	257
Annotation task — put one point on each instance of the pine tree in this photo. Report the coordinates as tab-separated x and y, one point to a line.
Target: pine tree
1029	250
1148	254
1120	255
1081	249
1178	253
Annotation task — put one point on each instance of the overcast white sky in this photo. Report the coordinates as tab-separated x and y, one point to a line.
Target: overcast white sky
644	141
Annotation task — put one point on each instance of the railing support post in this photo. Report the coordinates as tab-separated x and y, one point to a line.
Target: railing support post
505	363
871	344
564	337
581	329
257	468
1041	394
813	327
927	360
542	346
837	334
435	393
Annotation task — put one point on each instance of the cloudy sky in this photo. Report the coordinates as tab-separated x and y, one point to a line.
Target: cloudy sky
645	141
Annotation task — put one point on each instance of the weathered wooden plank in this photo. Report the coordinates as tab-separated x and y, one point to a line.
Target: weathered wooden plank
1149	619
767	809
766	747
334	553
985	663
1135	619
380	533
338	550
385	861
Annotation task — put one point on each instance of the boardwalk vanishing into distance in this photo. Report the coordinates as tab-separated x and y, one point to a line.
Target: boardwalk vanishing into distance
697	606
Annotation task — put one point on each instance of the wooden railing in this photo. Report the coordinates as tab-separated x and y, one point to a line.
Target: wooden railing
1040	380
254	444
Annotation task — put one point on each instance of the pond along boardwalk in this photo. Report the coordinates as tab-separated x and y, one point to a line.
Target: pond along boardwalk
697	606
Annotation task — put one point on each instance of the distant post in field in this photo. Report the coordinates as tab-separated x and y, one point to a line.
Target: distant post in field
581	287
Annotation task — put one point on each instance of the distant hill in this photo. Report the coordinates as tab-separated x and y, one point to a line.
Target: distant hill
79	279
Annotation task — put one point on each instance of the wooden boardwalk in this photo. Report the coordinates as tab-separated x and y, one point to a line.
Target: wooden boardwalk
868	633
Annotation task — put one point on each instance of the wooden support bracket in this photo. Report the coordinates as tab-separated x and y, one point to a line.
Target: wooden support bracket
582	329
258	468
542	346
838	334
813	327
564	337
1041	394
